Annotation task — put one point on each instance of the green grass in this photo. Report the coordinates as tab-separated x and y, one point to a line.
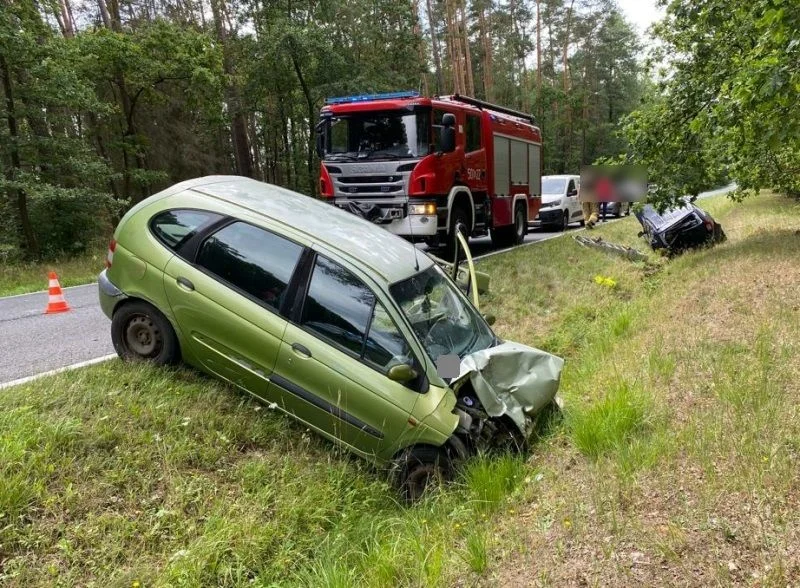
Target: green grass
21	278
676	455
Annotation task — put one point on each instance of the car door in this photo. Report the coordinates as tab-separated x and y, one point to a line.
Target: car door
334	359
227	292
571	200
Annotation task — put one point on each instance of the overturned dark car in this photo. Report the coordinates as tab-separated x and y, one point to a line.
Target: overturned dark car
677	229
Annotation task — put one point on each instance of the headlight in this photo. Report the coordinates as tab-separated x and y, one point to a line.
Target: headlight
429	208
552	204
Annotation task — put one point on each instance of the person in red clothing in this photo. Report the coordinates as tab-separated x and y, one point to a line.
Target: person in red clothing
605	193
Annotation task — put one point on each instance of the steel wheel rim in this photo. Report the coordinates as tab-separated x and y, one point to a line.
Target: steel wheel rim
142	336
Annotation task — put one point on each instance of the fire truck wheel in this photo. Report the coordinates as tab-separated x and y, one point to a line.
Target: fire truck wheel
520	225
459	221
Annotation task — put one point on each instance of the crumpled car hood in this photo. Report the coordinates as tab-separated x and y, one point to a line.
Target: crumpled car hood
512	379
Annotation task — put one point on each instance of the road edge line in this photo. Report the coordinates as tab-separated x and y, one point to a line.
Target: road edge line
45	291
66	368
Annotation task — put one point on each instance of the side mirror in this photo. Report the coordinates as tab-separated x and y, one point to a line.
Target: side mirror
447	134
402	372
489	318
573	192
320	144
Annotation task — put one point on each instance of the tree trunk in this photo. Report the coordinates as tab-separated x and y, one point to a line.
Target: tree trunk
539	58
486	40
311	116
28	236
437	58
241	144
467	55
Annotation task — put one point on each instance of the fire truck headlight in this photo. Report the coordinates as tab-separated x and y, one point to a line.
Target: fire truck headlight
422	209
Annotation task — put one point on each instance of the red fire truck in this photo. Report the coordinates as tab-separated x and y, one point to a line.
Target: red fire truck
426	167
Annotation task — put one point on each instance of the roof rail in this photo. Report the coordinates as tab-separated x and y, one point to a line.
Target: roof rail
495	107
370	97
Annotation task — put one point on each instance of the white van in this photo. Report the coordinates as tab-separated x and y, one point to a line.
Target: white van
560	205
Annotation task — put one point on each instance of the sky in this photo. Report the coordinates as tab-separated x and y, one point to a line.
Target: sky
641	13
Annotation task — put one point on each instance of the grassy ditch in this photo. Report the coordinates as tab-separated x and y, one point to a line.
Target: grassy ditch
676	457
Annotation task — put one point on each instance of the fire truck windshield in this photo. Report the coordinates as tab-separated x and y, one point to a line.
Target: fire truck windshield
377	135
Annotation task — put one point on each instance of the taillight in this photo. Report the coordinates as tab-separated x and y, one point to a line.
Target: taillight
112	246
709	225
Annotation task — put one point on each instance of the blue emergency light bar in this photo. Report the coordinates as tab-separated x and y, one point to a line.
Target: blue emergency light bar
370	97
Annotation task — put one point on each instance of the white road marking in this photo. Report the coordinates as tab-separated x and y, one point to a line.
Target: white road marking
67	368
46	291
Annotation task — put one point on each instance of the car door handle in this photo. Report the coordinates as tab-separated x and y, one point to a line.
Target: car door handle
185	283
301	350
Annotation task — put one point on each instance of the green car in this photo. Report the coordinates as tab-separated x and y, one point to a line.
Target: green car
323	316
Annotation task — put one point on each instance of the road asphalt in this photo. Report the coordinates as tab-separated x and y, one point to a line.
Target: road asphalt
33	343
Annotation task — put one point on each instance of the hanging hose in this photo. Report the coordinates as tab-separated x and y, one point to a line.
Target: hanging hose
473	281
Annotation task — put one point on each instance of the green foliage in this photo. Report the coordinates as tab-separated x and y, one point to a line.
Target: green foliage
727	102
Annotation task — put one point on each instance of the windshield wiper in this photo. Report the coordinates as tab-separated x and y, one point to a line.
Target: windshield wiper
340	157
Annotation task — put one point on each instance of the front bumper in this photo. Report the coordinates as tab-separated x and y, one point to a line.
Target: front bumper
110	295
394	217
549	216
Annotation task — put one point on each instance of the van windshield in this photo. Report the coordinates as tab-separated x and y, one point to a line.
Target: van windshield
442	317
554	185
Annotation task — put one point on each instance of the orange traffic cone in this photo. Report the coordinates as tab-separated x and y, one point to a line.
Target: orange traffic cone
55	302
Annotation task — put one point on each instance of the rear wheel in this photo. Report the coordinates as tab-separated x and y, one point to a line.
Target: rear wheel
140	332
515	233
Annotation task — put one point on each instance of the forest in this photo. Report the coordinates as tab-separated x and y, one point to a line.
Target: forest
108	101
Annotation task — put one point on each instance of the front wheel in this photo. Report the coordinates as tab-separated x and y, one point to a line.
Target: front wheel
417	468
140	332
565	221
459	221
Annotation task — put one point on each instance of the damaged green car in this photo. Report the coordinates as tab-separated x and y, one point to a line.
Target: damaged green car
323	316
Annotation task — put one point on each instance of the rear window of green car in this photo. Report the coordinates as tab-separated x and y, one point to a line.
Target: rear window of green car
174	227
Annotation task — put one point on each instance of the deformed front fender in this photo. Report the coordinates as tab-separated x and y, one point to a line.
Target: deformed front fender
512	379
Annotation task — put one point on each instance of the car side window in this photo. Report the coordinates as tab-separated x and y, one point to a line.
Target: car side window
255	261
338	306
570	187
386	346
473	133
174	227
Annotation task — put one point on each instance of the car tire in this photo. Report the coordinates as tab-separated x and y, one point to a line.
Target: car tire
416	468
459	220
140	332
565	222
618	212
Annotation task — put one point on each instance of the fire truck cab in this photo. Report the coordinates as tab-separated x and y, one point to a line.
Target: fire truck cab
426	167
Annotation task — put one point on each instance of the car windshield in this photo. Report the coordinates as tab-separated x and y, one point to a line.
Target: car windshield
553	185
444	320
377	135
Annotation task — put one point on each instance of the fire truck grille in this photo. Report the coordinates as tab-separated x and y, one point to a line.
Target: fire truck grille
370	189
369	179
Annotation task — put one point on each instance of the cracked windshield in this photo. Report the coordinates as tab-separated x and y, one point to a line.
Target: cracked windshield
441	317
